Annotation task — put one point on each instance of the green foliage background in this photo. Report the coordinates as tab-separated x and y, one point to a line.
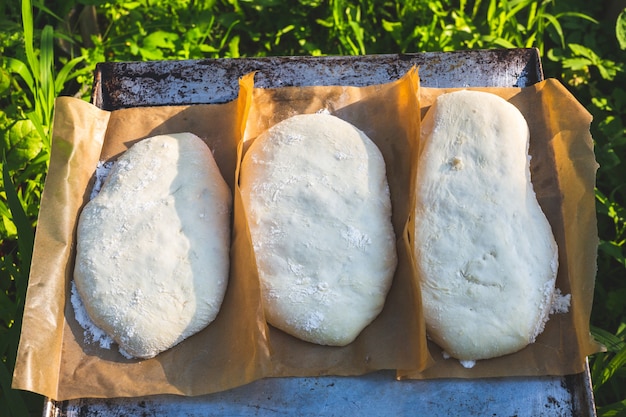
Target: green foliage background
50	48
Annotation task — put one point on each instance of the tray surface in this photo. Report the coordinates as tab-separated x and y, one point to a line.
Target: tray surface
375	394
134	84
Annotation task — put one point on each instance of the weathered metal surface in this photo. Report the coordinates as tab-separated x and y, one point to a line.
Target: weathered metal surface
376	394
131	84
122	85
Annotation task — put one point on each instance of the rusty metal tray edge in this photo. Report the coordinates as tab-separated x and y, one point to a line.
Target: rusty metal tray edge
132	84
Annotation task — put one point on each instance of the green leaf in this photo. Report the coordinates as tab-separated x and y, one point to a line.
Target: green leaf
582	50
21	144
325	23
10	230
233	47
620	29
131	5
160	40
576	63
42	129
5	80
391	26
612	342
281	32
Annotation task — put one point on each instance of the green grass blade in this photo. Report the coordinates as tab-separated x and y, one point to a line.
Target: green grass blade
26	235
557	27
227	34
358	34
66	74
532	14
510	14
578	15
499	42
27	23
615	364
39	5
612	342
46	52
46	65
491	11
17	67
476	8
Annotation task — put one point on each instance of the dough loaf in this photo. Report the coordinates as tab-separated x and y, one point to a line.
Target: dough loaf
318	204
152	259
484	248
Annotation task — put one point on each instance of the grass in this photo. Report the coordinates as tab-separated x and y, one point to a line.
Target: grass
50	48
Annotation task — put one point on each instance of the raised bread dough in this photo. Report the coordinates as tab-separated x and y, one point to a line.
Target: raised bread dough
318	205
484	249
152	258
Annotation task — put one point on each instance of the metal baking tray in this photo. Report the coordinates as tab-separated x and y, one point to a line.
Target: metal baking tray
134	84
131	84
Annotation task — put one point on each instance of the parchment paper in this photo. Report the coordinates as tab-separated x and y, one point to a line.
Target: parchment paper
55	359
387	113
563	169
239	347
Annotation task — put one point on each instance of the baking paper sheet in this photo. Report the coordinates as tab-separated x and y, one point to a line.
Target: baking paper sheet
55	358
239	347
563	169
387	115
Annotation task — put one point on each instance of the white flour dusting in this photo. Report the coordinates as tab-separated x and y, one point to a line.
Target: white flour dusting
560	302
102	172
468	364
93	334
355	238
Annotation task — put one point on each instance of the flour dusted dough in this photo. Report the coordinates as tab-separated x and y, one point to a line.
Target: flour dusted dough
484	249
318	203
152	257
